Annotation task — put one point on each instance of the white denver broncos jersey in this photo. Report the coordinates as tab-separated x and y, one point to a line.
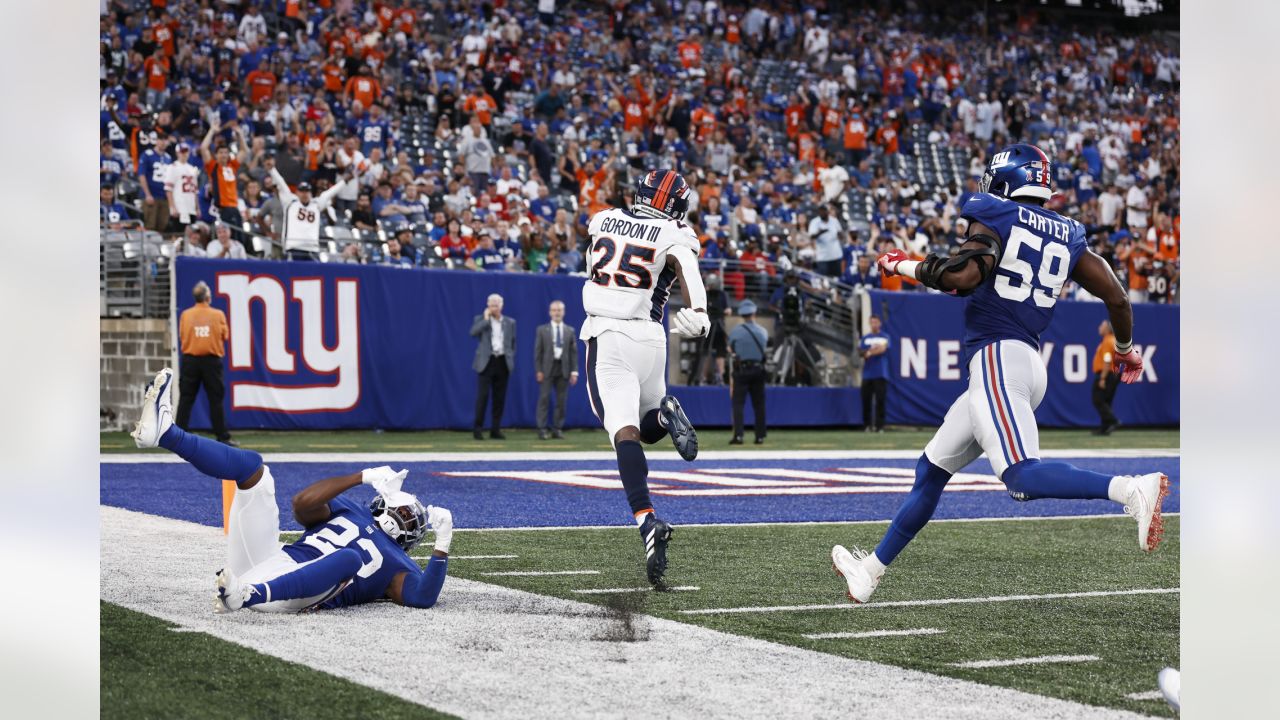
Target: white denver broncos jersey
301	229
629	277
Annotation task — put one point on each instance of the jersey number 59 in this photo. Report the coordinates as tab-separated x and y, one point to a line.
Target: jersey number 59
625	269
1048	278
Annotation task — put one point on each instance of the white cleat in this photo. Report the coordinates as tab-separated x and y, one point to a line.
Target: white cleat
848	565
1146	495
1170	681
157	411
232	594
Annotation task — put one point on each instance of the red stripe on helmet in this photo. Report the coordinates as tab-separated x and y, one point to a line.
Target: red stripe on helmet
660	197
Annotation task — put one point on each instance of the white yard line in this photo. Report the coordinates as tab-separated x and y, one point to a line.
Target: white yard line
922	603
395	457
1011	662
872	634
540	573
611	591
471	654
475	557
1116	515
1148	695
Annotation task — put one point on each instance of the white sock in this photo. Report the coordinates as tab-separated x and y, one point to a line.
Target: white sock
1118	490
873	565
640	516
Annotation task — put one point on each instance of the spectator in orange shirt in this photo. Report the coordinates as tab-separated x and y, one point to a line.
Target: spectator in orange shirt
312	141
481	104
855	139
805	146
1136	255
363	87
690	51
157	70
223	170
334	75
794	116
887	138
1163	238
260	84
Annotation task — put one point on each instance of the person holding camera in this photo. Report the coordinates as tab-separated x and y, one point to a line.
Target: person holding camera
748	341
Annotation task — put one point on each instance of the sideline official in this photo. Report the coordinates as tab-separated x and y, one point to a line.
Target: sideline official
494	361
202	334
555	362
1105	381
748	342
874	349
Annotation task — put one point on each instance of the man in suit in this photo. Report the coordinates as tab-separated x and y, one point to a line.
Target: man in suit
555	359
494	361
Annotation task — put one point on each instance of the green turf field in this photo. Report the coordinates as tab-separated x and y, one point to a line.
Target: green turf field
1134	636
579	440
150	671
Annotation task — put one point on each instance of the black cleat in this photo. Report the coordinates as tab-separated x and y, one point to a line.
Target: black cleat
655	534
679	427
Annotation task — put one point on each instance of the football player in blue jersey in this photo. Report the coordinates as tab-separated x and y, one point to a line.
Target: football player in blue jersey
1011	268
349	554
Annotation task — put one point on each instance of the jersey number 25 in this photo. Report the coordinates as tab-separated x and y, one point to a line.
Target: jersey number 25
625	270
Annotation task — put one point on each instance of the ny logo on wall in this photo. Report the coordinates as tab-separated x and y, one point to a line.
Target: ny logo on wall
340	390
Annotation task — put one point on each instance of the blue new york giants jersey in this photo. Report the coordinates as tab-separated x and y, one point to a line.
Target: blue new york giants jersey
1038	250
351	525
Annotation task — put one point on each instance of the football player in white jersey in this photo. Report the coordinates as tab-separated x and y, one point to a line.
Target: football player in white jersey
636	255
301	231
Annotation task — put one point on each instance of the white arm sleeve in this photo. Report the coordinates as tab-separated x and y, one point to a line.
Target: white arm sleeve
690	277
327	196
282	188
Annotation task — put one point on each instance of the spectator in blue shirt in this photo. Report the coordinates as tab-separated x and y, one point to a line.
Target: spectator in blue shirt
863	273
153	166
874	349
485	257
570	258
111	213
110	168
542	207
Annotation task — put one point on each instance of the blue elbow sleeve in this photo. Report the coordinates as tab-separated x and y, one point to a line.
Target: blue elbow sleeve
422	590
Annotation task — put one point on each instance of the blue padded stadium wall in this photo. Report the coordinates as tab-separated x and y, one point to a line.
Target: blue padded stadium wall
331	346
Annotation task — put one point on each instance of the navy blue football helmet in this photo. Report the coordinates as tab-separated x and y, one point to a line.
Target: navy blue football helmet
1018	171
664	191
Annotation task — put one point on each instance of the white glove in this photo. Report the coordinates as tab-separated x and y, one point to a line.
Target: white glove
690	323
383	479
441	520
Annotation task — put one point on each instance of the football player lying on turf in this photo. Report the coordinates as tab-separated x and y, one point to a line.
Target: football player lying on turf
348	554
1016	257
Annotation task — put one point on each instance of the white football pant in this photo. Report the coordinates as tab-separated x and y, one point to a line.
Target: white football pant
996	415
626	377
254	553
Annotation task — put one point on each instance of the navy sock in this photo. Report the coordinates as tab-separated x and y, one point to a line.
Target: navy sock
634	470
916	511
1032	480
315	579
651	430
211	457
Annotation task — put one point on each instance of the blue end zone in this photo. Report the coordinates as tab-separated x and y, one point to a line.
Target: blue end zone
179	491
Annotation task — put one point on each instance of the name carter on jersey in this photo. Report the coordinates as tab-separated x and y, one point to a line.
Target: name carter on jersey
1046	226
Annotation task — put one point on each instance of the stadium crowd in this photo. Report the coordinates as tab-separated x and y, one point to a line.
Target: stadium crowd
483	135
